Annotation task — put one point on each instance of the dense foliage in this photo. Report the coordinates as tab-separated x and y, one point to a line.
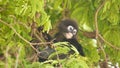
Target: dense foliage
18	18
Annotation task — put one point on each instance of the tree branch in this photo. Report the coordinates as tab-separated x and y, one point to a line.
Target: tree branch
19	35
42	43
6	57
96	21
113	46
17	58
97	30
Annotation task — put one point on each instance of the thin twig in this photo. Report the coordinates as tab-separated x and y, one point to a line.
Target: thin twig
113	46
17	58
41	43
44	42
97	30
37	35
33	57
6	56
23	24
96	21
19	35
101	47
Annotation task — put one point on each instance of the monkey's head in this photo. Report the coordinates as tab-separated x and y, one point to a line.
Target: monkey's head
68	28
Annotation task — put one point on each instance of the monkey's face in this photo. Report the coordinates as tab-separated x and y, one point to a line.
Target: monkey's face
68	28
71	32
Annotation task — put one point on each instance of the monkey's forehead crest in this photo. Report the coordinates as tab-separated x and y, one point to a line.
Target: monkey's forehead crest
68	22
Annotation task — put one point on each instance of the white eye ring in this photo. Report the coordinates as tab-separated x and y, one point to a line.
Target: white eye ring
74	31
70	28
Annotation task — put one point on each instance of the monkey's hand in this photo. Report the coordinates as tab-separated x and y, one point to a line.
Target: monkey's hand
45	54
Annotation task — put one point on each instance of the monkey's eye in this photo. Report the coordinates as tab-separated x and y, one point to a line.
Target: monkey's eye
74	31
70	28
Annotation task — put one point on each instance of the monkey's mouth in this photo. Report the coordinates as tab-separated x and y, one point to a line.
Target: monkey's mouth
68	35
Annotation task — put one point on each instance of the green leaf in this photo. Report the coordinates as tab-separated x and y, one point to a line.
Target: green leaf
77	63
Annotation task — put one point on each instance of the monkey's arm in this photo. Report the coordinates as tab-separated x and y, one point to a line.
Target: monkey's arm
44	54
78	46
47	37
